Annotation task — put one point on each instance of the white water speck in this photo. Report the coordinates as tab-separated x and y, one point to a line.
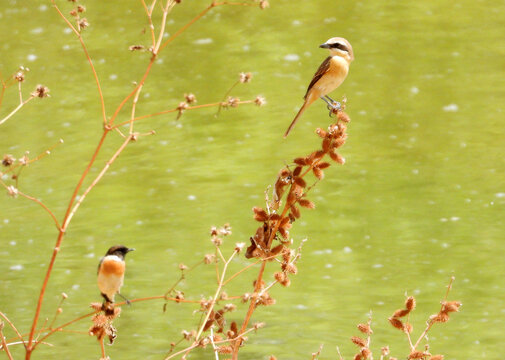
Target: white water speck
67	30
90	255
13	243
296	22
42	7
66	47
159	61
415	171
443	219
203	41
301	307
455	218
113	76
76	287
17	267
328	266
347	250
445	245
191	197
330	20
377	266
6	221
66	124
139	222
246	48
451	108
322	252
31	57
500	195
414	90
37	30
291	57
210	138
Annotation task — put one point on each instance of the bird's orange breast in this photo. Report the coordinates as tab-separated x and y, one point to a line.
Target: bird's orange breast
112	267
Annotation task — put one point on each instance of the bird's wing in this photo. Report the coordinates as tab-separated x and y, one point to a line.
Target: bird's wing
323	69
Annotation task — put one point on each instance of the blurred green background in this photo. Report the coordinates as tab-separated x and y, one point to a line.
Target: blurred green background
420	198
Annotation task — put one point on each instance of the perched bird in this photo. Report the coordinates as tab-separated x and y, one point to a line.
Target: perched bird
331	73
111	272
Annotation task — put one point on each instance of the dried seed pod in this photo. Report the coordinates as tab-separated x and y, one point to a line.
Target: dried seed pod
323	165
437	357
299	181
318	173
326	144
365	329
306	203
410	303
418	355
260	214
396	323
337	158
366	352
297	171
321	133
401	313
358	341
451	306
295	211
300	161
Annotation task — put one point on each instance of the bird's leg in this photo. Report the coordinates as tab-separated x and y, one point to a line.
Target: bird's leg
336	104
128	302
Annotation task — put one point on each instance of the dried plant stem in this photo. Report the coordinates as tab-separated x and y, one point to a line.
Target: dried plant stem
177	109
432	322
84	48
149	18
102	347
188	349
57	223
13	328
5	347
212	342
226	96
216	296
21	104
98	178
252	306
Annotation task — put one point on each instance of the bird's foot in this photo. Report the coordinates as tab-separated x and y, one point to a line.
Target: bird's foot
334	108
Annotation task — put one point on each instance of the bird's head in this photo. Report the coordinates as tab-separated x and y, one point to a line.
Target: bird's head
119	250
339	47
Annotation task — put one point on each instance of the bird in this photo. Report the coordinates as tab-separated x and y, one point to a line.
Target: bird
330	75
111	271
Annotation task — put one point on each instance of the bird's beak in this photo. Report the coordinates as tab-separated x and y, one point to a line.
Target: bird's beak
324	46
132	249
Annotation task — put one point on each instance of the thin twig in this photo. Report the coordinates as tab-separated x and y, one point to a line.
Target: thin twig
13	328
5	346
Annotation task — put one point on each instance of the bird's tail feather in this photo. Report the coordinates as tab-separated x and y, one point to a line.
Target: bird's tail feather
300	112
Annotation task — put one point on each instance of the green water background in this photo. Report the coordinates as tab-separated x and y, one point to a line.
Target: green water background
420	198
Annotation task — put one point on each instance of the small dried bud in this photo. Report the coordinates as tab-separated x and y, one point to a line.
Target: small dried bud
272	357
64	295
359	341
136	47
209	258
239	247
365	329
230	307
357	357
213	231
232	101
306	203
410	303
41	92
321	133
182	106
96	306
385	351
83	23
441	317
59	311
190	98
437	357
183	267
291	269
260	100
217	241
73	12
81	9
258	325
8	160
20	76
337	158
12	191
264	4
188	335
451	306
179	296
246	297
245	77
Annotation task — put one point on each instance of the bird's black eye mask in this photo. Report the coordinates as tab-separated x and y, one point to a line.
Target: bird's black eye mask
339	46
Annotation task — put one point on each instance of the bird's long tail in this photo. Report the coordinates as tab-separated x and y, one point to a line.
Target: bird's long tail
300	112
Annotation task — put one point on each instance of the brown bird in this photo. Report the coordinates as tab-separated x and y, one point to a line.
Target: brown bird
111	272
331	73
